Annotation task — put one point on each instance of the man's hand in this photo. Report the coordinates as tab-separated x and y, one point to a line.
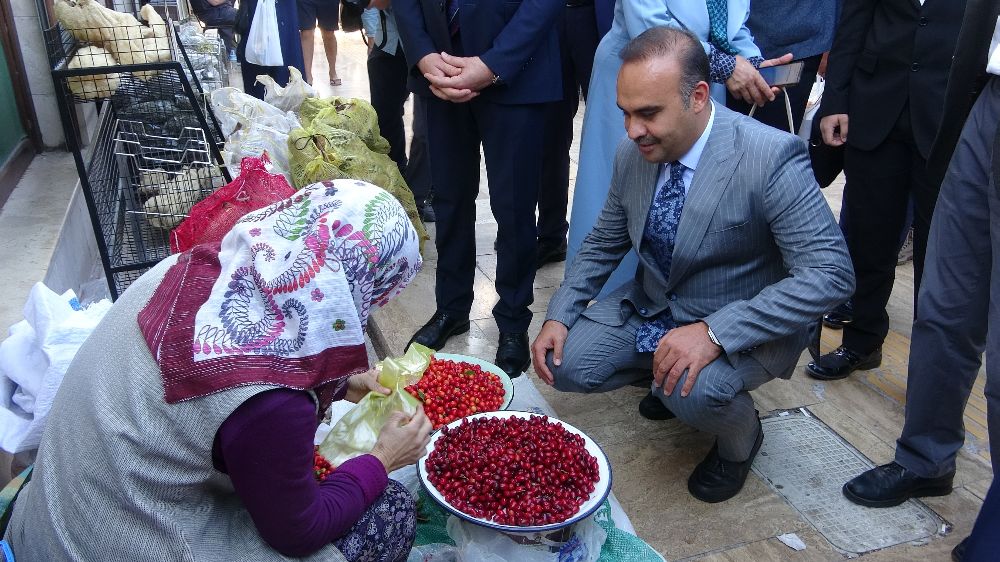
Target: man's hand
834	129
687	348
552	336
473	76
379	4
433	65
361	384
747	84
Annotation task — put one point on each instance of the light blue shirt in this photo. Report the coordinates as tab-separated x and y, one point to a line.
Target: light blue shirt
386	39
689	160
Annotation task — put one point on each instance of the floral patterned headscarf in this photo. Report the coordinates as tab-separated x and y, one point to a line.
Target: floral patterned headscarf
285	299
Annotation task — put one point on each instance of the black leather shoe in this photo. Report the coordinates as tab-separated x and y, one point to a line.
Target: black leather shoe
652	408
512	353
716	479
892	484
841	362
958	553
840	316
435	333
550	253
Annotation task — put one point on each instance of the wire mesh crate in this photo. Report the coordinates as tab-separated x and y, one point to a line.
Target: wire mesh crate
157	151
142	186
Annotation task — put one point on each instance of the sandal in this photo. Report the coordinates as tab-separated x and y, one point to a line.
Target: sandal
336	82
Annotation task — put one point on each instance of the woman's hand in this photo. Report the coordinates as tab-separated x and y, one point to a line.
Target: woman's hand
363	383
403	440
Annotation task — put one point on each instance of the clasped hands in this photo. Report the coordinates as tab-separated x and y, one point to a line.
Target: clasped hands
685	348
455	79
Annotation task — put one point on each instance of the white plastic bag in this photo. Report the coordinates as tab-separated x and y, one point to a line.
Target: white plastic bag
263	42
290	97
479	544
34	358
235	109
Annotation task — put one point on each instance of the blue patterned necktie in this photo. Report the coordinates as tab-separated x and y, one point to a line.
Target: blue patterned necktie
718	21
659	236
452	11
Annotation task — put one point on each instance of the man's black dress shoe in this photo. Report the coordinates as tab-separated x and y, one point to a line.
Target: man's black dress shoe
958	553
840	316
652	408
435	333
512	353
550	253
716	479
892	484
841	362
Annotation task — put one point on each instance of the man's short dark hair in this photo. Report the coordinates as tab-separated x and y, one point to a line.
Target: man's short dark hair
680	44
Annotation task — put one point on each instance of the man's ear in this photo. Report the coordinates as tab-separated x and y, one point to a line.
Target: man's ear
700	96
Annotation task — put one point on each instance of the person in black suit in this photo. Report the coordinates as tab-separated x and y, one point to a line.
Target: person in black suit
957	303
580	30
885	86
487	69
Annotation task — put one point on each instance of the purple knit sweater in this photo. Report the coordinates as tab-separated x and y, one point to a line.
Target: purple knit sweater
266	447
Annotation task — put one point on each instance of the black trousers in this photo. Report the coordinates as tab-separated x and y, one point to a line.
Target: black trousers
578	39
418	168
773	113
387	84
513	149
223	18
880	183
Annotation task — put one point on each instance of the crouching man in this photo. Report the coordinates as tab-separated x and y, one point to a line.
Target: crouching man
738	254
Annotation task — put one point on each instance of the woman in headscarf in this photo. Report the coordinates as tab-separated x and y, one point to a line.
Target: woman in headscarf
183	430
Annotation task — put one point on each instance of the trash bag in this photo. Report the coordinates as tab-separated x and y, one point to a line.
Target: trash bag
350	114
236	109
209	220
254	141
290	97
321	153
356	433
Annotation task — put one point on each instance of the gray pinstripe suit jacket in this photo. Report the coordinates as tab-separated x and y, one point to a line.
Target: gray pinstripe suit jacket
758	255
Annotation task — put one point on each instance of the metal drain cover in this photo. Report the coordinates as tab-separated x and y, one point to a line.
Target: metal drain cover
807	463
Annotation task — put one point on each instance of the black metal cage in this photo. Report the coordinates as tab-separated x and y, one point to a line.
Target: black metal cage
157	151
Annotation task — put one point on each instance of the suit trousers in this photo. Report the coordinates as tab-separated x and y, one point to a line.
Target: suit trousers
512	146
599	358
418	168
578	39
959	299
387	73
880	183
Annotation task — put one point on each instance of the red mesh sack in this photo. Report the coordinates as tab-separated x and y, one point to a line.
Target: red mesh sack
211	218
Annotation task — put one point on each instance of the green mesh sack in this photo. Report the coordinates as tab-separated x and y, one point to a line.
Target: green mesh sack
356	116
308	161
321	153
310	107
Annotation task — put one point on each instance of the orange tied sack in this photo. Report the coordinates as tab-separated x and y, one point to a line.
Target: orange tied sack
214	216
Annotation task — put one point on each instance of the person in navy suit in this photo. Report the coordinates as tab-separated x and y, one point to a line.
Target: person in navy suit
487	69
581	26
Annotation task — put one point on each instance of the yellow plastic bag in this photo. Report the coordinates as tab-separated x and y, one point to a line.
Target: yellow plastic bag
355	434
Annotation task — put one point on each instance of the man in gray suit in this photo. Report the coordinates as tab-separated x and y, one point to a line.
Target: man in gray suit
738	254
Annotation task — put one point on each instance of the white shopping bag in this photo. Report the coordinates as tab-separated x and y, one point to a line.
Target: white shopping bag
263	43
34	358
